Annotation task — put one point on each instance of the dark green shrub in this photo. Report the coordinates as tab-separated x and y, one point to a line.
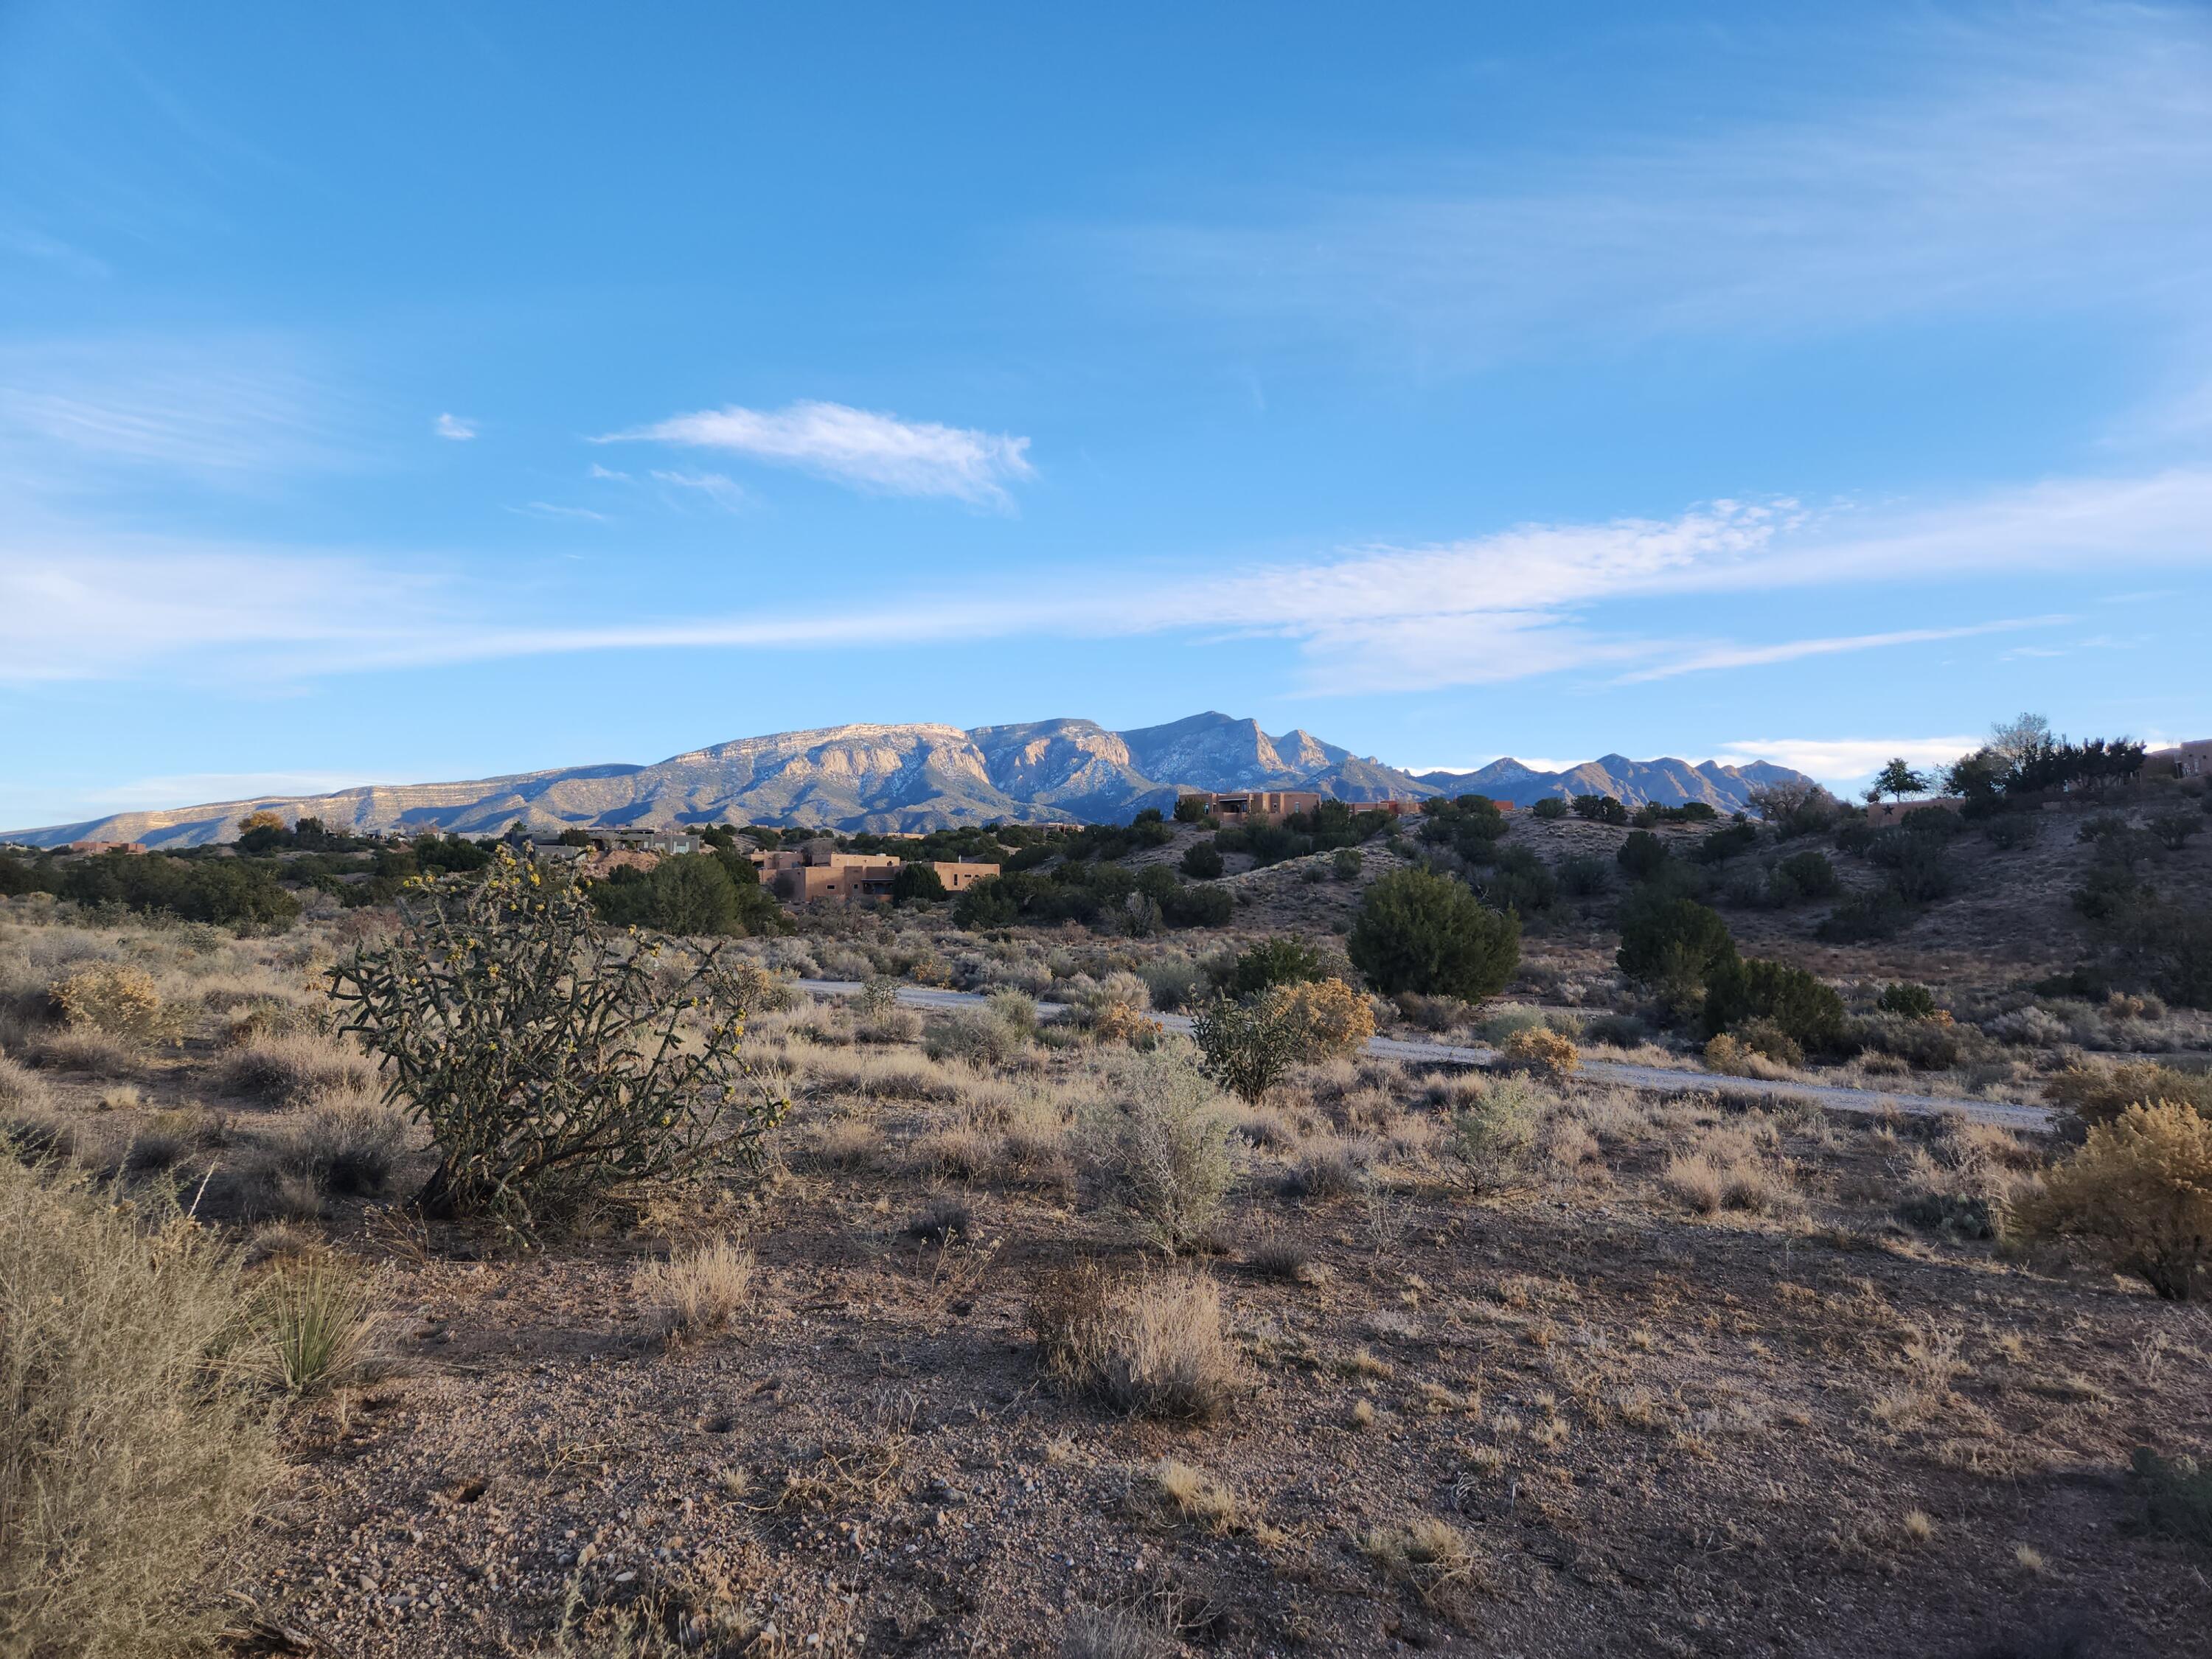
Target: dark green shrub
1198	907
1428	934
1584	877
1808	1011
1471	825
988	903
1550	809
1641	855
1936	823
1278	961
918	884
1673	945
1201	861
230	892
1520	881
1879	914
1600	809
548	1060
1725	844
1191	809
2175	829
1913	1001
1854	835
689	894
1807	875
2112	892
1920	870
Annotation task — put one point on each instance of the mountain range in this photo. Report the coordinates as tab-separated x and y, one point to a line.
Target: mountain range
1670	783
913	777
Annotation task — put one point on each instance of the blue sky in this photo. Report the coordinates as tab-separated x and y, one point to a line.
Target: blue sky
414	392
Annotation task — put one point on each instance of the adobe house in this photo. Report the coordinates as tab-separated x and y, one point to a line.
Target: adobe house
796	874
1243	806
1882	813
2192	759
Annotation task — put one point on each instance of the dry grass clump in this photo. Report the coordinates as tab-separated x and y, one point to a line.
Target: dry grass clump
845	1143
291	1070
2098	1094
697	1291
977	1037
1286	1256
21	1090
1192	1496
125	1446
1327	1167
166	1139
94	1053
349	1149
1960	1179
1152	1343
1429	1553
262	1016
1540	1049
1731	1056
892	1026
960	1151
1707	1182
1116	1633
943	1221
2139	1193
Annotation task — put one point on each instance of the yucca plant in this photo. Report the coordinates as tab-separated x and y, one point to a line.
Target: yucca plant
312	1320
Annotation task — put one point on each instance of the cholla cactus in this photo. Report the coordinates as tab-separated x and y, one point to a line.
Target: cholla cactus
550	1059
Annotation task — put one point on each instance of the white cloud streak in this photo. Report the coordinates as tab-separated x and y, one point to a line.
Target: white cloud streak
877	452
454	427
723	491
1522	602
1847	760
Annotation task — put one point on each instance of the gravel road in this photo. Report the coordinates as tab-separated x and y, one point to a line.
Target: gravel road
2003	1115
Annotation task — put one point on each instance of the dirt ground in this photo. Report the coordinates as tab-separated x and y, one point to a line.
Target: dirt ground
1792	1416
1807	1433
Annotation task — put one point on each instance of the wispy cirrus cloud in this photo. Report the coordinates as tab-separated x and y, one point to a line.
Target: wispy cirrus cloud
558	510
2044	159
717	488
1752	656
225	410
860	447
454	427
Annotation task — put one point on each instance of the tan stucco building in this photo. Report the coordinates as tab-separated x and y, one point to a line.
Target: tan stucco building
796	874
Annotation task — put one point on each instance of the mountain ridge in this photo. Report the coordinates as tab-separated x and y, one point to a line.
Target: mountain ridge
896	776
1667	781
